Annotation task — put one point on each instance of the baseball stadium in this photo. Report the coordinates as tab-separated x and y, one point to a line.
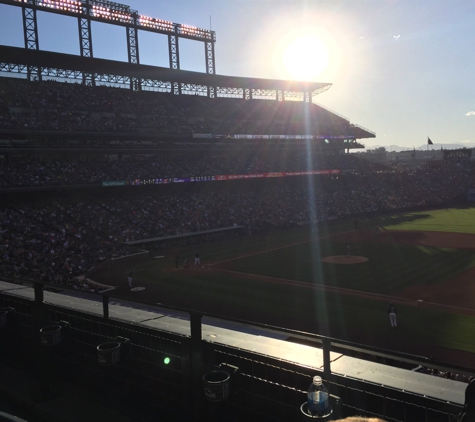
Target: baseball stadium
178	245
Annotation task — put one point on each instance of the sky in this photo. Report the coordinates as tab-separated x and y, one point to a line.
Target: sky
401	68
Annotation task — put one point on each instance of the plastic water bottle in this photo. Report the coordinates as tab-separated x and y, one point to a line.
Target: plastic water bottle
317	397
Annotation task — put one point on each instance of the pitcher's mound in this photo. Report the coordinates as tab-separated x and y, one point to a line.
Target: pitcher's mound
345	259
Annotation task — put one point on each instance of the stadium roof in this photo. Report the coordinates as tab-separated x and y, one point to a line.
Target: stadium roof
45	59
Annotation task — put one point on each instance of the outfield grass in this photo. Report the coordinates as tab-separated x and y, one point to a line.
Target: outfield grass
357	319
390	269
457	220
294	254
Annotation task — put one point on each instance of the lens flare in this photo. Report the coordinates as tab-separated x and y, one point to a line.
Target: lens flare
305	58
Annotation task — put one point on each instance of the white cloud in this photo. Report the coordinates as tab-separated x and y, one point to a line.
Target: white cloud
471	113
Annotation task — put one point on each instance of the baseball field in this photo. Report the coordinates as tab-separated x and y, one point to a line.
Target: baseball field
305	279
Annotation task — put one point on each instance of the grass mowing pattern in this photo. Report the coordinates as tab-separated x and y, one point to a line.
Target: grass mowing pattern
391	267
457	220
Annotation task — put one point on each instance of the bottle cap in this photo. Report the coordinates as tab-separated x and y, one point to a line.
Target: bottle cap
317	380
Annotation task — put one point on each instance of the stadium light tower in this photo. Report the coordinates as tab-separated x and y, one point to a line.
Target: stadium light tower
116	14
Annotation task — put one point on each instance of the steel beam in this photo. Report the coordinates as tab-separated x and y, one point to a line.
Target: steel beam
161	86
133	51
235	92
85	40
210	60
176	88
173	52
85	37
30	30
12	67
133	44
211	92
30	34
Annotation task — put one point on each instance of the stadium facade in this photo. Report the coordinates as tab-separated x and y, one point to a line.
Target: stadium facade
138	361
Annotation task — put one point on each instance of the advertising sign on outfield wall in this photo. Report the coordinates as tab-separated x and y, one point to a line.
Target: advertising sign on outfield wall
113	183
161	181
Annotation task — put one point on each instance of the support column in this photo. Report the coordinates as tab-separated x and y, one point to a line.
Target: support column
326	346
173	52
39	310
211	92
105	307
85	41
197	365
30	34
174	59
210	60
133	51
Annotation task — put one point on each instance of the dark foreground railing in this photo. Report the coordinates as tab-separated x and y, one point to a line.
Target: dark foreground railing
145	372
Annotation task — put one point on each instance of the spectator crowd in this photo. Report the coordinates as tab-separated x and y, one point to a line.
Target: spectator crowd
57	238
57	106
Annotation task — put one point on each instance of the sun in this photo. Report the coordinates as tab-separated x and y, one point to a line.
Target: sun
305	58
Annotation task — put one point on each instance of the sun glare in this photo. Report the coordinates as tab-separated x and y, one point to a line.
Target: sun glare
305	58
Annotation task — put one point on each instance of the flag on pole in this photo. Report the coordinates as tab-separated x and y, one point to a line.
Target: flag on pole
429	142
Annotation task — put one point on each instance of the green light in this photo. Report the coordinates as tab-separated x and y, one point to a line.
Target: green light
166	361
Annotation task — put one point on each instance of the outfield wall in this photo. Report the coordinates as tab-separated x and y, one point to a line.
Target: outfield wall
131	259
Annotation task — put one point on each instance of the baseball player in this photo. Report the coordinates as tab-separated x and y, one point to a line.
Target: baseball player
348	250
392	311
129	278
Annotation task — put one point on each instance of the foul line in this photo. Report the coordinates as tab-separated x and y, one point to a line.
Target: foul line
318	286
367	295
276	249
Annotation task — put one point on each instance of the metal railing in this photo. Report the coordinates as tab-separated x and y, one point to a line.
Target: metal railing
167	367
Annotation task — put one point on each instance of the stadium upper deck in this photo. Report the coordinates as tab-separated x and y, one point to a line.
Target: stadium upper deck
246	107
204	105
27	108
